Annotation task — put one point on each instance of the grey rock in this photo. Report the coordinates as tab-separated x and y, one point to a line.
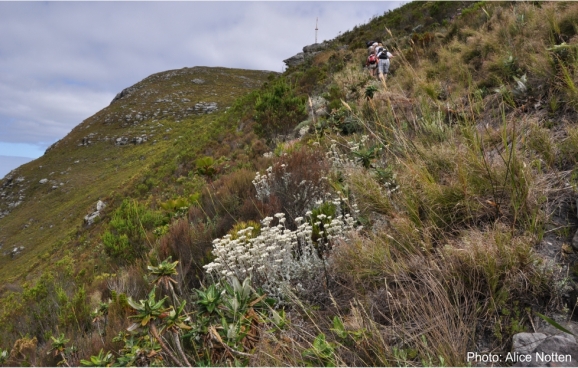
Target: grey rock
526	342
295	59
43	181
551	330
90	218
124	93
205	107
16	251
121	141
308	52
138	140
198	81
552	351
316	47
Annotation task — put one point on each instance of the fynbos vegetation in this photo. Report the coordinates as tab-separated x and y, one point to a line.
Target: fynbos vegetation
327	218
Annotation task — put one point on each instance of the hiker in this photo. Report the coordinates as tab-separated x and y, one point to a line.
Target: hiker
383	56
371	63
371	48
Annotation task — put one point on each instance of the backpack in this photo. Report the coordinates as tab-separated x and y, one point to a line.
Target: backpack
369	43
372	59
382	54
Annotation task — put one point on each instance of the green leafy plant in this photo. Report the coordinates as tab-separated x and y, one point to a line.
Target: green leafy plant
321	353
162	274
149	312
178	207
206	166
126	237
209	299
370	91
553	323
100	360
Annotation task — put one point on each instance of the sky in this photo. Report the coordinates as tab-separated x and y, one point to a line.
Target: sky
61	62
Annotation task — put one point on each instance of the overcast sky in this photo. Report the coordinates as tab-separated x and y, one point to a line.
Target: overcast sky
61	62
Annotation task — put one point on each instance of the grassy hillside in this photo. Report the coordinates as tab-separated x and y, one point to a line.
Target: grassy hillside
324	218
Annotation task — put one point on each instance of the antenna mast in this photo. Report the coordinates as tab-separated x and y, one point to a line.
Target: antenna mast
316	20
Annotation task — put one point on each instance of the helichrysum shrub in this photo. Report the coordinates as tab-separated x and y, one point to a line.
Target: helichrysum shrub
278	258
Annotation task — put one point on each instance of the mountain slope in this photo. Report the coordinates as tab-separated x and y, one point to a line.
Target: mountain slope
43	203
329	218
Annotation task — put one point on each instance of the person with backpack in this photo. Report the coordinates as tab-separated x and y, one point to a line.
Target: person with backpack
371	45
371	63
383	56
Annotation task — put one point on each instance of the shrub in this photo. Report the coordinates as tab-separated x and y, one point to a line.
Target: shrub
297	180
126	237
190	245
278	109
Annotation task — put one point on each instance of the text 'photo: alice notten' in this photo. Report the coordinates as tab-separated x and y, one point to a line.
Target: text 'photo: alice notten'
538	357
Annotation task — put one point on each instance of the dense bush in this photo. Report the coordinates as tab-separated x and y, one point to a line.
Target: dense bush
278	109
129	234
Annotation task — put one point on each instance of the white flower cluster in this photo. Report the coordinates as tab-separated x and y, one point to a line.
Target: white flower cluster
339	160
262	184
277	258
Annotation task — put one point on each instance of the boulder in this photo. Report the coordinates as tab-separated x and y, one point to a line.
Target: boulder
90	218
205	107
525	342
544	351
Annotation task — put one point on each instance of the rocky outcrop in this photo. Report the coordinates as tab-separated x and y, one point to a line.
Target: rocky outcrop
308	52
205	107
123	141
124	93
12	193
16	251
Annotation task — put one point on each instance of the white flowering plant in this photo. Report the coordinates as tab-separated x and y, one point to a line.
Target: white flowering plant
279	258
